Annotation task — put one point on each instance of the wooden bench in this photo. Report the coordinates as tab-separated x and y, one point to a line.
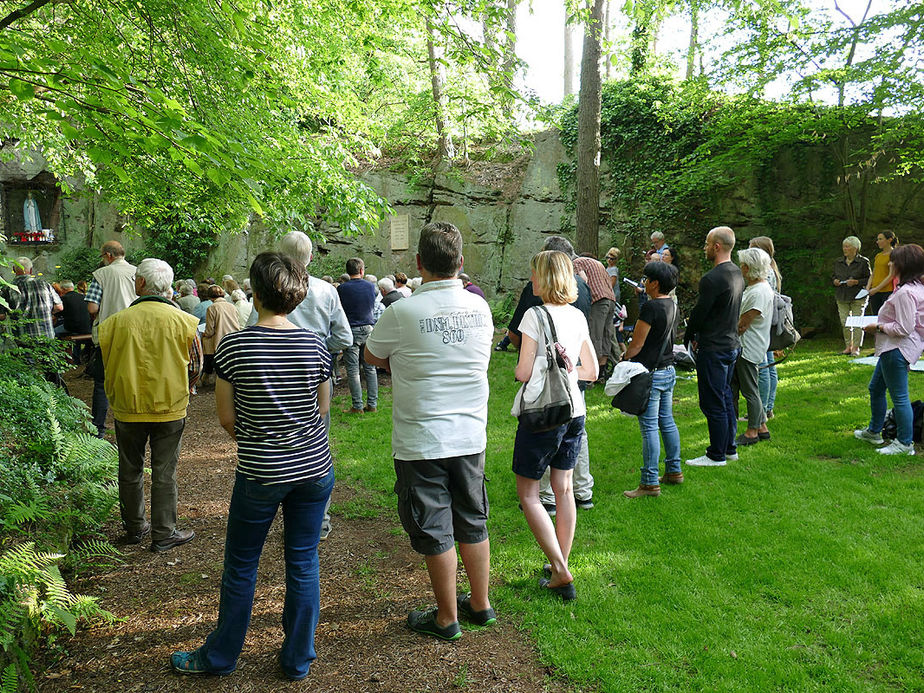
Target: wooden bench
85	339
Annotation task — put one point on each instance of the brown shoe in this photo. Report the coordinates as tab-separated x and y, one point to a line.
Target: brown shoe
643	490
671	478
179	537
353	410
369	410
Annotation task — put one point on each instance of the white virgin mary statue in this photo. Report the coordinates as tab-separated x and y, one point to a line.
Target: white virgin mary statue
30	213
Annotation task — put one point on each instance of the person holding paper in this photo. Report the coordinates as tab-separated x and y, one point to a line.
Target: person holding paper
899	343
851	273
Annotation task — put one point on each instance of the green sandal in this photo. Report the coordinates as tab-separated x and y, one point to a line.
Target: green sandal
188	663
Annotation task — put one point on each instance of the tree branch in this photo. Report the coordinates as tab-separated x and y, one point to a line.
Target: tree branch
24	12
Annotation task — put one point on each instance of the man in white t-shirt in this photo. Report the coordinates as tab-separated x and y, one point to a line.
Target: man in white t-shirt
437	345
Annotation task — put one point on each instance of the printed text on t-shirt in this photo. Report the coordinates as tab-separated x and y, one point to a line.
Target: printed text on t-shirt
452	326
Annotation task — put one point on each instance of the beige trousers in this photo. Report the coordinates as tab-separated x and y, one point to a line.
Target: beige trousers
853	336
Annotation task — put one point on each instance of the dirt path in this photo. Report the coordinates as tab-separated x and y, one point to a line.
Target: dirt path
370	579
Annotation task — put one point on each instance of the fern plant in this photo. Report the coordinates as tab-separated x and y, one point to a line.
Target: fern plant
33	599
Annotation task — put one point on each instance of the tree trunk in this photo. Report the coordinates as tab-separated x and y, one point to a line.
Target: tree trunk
437	80
508	68
588	141
569	56
607	59
693	46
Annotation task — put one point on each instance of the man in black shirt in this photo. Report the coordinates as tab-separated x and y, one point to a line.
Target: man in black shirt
76	318
713	333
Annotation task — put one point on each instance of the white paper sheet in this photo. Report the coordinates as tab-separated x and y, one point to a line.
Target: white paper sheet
862	320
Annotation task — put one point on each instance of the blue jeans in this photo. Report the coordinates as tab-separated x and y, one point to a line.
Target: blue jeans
659	416
892	373
767	380
714	371
353	356
253	507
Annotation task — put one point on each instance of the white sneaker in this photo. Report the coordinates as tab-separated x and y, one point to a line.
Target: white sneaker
706	461
732	457
896	448
868	436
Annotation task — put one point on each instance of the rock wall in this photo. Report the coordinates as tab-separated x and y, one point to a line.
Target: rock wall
502	210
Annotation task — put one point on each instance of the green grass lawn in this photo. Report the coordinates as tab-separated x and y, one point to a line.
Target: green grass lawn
799	567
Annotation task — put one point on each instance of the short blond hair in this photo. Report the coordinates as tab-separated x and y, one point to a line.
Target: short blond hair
555	277
724	236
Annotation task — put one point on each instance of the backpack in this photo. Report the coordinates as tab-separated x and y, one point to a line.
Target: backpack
552	407
890	427
783	332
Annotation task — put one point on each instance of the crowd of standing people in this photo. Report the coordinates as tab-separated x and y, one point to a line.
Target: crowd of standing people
270	346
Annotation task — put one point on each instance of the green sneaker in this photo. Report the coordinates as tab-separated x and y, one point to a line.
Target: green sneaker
479	618
425	622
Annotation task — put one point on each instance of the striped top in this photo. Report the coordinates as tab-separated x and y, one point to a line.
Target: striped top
275	374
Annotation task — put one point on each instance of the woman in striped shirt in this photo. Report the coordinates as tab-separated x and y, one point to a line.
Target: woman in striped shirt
271	395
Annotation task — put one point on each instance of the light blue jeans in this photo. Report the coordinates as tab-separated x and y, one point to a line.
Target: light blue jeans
659	416
891	373
353	356
767	380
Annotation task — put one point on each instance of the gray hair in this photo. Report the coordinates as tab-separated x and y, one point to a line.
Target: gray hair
237	295
185	289
25	264
414	284
657	236
852	241
67	285
158	277
757	261
559	243
386	285
371	278
297	246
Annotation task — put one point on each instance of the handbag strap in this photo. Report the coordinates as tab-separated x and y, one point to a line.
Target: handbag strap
550	323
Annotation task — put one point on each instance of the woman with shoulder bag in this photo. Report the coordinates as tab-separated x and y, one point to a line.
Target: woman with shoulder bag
653	346
553	281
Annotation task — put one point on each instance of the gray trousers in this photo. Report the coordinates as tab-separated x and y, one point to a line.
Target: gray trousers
581	479
325	523
746	377
132	439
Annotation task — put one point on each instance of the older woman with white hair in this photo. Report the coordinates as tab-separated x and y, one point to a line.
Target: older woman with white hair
754	331
851	273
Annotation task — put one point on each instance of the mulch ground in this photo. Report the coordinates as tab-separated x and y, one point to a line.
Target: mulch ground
370	579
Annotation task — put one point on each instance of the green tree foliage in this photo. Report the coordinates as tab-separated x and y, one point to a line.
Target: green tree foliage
228	106
674	155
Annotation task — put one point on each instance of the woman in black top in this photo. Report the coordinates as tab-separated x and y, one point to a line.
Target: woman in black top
653	346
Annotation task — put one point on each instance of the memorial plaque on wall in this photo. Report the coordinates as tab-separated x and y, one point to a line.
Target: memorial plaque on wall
399	232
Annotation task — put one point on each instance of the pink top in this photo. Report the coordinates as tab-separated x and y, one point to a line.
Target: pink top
901	320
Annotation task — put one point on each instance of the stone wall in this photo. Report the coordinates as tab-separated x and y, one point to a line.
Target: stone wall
502	210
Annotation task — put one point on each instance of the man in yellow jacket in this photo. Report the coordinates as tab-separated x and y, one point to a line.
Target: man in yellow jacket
152	356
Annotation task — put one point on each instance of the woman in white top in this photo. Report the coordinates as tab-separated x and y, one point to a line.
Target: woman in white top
754	329
767	377
553	281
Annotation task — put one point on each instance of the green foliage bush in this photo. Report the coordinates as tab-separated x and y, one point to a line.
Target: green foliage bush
675	156
77	264
58	484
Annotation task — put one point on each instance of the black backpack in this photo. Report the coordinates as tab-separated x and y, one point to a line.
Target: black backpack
890	428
